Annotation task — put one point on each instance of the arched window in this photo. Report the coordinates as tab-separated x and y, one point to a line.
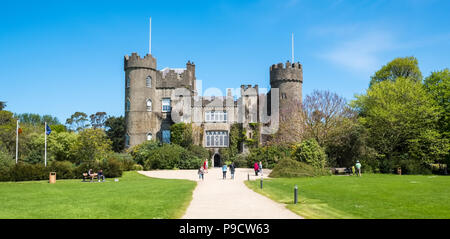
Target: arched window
127	140
127	105
149	136
128	82
148	82
149	105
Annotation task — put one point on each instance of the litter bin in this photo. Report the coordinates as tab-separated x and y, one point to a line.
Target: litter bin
52	177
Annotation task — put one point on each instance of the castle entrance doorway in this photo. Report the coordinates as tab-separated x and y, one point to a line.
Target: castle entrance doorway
217	161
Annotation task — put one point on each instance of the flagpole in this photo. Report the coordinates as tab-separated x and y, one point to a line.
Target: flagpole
17	141
45	154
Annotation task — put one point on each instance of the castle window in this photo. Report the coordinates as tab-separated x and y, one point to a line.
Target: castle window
127	105
128	82
149	136
127	140
148	82
166	136
216	116
216	139
166	105
149	105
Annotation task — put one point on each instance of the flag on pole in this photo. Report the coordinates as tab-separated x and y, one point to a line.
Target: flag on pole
19	130
48	130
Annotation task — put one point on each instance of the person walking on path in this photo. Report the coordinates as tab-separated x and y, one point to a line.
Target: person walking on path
205	166
358	166
256	167
260	168
201	172
224	171
232	167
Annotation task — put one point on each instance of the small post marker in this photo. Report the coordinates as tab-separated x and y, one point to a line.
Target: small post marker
261	182
248	176
295	194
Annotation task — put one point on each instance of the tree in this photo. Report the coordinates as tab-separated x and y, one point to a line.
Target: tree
77	121
91	145
438	85
181	134
98	120
310	152
405	67
7	131
323	112
36	119
2	105
397	114
115	130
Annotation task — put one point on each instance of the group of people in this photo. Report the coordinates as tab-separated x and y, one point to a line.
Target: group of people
99	175
204	169
358	167
258	168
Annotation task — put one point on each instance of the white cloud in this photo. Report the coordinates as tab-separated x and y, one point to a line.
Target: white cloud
360	53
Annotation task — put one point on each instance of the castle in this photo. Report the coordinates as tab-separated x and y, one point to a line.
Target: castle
152	96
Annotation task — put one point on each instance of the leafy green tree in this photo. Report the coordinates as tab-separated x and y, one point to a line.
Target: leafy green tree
405	67
98	120
397	115
91	145
310	152
36	119
115	130
181	134
77	121
7	131
2	105
58	128
438	85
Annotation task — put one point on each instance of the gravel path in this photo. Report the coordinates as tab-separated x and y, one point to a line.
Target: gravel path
215	198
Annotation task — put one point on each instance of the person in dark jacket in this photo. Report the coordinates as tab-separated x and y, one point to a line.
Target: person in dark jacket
232	168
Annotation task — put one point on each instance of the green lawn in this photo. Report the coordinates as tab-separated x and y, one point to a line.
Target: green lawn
134	196
369	196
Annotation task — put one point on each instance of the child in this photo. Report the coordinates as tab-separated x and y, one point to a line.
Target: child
353	170
224	171
201	173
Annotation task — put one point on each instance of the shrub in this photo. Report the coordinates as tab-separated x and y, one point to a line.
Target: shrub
268	155
6	163
291	168
138	167
63	169
199	152
310	152
26	172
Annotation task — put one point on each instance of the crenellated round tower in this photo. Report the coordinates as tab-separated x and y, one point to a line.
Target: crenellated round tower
140	81
288	78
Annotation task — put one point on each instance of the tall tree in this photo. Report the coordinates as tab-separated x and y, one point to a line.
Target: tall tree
115	130
98	120
405	67
36	119
438	85
77	121
2	105
401	120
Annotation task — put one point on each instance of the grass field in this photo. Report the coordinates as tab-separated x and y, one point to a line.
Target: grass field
369	196
134	196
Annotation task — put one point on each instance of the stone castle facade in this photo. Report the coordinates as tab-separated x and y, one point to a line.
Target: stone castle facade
156	99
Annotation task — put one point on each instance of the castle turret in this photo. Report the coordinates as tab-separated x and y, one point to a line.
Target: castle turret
288	78
140	81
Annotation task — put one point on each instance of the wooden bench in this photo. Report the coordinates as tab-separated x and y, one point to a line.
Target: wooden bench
92	176
341	171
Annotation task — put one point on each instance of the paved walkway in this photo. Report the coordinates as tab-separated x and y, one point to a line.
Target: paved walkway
215	198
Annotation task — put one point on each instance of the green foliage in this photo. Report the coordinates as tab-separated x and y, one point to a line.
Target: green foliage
199	152
91	145
398	115
98	120
402	67
77	121
438	85
6	163
2	105
7	131
58	128
268	155
170	156
63	169
181	134
115	130
36	119
254	141
289	168
310	152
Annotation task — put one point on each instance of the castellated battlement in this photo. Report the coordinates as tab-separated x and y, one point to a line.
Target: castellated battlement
135	61
286	72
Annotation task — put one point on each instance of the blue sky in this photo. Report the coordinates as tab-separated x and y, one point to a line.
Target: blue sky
58	57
